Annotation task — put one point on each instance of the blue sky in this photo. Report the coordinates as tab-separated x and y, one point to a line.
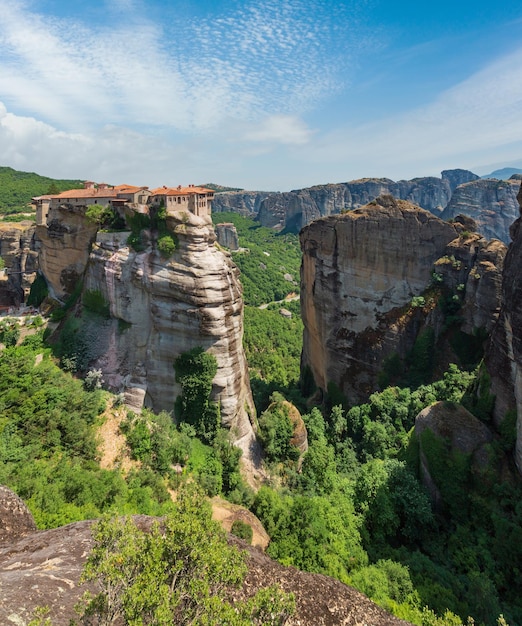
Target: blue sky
260	94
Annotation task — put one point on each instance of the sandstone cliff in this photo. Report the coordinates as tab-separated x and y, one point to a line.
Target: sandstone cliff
295	209
18	250
491	203
243	202
156	309
359	274
504	354
65	243
42	568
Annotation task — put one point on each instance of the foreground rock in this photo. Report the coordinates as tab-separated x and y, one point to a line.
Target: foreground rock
43	568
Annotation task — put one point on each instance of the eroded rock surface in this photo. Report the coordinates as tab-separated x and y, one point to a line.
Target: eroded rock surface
491	203
227	235
160	308
245	203
359	274
358	270
65	243
43	568
15	518
18	249
504	354
461	431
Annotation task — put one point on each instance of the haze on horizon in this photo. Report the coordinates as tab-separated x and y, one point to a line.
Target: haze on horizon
259	94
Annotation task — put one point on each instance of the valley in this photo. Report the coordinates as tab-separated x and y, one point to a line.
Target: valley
372	427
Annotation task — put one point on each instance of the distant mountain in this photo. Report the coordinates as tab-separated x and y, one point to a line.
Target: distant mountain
504	173
17	188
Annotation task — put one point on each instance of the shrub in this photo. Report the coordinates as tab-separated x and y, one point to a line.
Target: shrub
94	301
242	530
166	245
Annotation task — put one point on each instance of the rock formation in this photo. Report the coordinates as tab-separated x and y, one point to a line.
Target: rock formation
359	274
243	202
156	309
42	568
461	432
458	177
295	209
18	250
16	520
169	307
504	354
65	243
491	203
227	235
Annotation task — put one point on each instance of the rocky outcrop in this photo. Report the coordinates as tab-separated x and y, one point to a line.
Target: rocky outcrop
471	268
153	309
65	243
295	209
227	235
458	177
160	308
359	275
18	250
504	354
491	203
461	432
15	518
243	202
43	568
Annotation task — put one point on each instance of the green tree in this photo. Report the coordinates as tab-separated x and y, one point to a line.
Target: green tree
195	371
178	573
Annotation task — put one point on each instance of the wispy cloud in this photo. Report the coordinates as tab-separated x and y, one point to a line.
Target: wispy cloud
481	115
264	58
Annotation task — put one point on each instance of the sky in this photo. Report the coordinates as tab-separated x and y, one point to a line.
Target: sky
260	94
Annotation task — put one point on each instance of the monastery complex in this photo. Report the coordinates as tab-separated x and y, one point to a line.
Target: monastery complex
197	200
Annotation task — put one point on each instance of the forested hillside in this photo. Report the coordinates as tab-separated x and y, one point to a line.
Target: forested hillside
17	189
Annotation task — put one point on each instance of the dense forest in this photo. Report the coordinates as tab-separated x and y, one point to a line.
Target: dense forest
352	506
17	189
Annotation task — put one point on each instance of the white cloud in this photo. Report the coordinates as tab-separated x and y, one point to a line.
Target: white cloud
282	129
264	58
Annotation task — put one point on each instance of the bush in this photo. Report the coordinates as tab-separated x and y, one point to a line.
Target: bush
242	530
94	301
166	245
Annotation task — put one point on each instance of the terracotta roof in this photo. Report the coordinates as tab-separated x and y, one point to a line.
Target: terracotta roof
180	191
87	193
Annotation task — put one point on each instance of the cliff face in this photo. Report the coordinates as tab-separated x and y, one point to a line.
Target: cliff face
243	202
18	250
359	274
491	203
158	309
504	354
64	248
295	209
